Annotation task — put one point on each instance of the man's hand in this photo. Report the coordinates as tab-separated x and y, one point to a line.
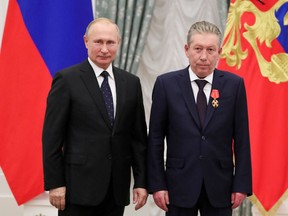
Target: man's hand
57	197
139	197
161	199
237	199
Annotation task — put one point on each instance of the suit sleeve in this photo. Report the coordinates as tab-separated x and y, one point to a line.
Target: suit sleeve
139	143
54	133
157	133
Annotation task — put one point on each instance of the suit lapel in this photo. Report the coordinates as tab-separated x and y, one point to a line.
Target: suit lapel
185	85
90	80
120	90
216	84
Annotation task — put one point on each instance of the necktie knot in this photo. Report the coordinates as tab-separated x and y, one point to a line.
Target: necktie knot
104	74
201	83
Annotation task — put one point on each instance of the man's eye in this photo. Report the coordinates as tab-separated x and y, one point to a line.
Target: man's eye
211	50
110	43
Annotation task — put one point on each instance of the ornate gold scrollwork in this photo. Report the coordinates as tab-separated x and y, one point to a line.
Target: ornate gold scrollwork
264	30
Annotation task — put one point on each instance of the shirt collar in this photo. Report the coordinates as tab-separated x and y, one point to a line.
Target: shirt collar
194	77
97	70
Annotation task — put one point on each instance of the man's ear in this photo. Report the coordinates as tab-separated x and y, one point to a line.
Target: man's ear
186	47
220	51
85	40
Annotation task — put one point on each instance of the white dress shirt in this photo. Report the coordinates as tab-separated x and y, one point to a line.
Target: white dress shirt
111	80
207	88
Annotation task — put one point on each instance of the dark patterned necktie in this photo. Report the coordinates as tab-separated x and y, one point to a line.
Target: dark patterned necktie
107	96
201	100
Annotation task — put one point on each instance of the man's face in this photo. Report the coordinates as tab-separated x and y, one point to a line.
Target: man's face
203	53
102	42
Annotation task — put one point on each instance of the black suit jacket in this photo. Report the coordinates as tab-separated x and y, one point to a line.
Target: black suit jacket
218	154
80	149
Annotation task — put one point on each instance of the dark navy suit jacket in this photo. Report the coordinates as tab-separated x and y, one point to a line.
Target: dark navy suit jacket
218	154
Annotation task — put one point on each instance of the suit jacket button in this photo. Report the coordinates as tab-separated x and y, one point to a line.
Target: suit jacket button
109	156
201	157
203	138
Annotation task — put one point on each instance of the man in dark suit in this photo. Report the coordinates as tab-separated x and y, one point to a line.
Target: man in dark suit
208	163
90	143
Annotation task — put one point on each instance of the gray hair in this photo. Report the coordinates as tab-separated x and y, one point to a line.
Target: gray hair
103	20
204	27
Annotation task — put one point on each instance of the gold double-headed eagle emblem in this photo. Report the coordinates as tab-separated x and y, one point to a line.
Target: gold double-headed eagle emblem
264	30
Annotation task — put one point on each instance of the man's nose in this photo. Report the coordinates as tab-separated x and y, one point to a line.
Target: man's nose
203	55
104	48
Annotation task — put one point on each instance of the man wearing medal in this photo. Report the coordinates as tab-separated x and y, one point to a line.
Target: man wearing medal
205	126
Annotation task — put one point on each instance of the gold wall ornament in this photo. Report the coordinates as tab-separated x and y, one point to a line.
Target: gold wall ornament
264	30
